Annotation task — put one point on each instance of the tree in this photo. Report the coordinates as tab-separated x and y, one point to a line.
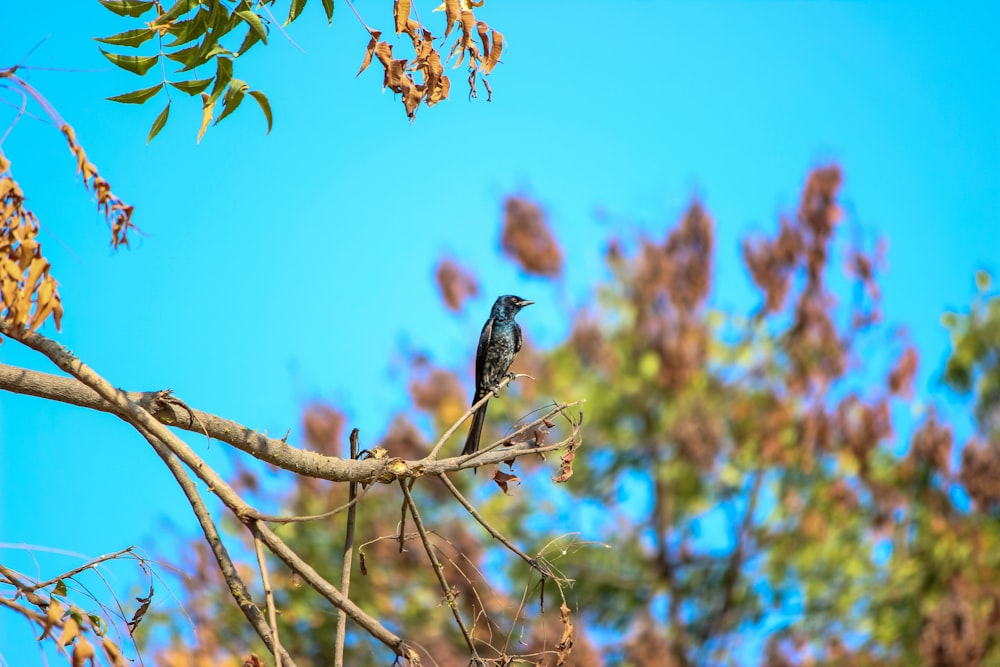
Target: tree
30	297
741	469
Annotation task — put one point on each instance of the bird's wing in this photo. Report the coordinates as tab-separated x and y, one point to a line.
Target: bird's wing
484	343
517	338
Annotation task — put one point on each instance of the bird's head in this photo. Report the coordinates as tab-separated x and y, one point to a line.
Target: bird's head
508	305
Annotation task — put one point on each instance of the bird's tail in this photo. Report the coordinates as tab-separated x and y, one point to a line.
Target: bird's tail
475	431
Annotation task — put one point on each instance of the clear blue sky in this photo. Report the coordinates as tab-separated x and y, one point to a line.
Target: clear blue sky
277	269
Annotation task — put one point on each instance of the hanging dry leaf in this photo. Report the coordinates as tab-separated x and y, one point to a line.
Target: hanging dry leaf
565	644
482	29
502	479
83	652
28	294
401	12
71	630
493	57
369	51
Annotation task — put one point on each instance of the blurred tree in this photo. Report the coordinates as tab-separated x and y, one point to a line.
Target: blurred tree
741	480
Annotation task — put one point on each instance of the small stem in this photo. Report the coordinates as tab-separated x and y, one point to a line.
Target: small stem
438	569
345	577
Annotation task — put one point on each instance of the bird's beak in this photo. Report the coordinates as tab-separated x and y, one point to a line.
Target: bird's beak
523	302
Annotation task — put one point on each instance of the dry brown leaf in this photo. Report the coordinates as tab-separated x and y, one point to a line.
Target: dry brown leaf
452	10
115	211
482	29
502	479
369	51
401	12
83	652
493	57
71	630
115	656
52	616
565	644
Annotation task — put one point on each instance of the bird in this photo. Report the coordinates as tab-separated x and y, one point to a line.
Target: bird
499	343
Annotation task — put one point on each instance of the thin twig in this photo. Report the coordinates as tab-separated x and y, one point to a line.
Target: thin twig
351	5
545	572
78	570
270	518
449	595
345	576
272	615
468	413
234	582
282	29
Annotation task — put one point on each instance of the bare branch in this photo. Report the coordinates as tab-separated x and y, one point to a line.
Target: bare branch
345	576
170	411
449	595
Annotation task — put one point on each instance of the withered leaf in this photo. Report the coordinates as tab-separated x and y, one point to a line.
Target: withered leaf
83	652
482	28
52	614
141	611
71	630
401	12
502	479
452	10
566	642
369	52
493	57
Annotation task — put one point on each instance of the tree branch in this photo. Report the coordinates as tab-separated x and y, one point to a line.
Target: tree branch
168	410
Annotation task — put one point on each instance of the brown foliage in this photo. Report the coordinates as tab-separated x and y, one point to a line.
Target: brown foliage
980	472
434	85
115	211
455	283
771	264
901	377
323	427
527	240
955	634
931	443
439	393
28	293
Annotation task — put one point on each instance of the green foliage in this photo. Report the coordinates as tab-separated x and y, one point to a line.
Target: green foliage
193	34
974	363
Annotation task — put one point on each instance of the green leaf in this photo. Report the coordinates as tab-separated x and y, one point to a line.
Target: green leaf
248	41
158	124
233	99
187	57
189	30
137	96
60	588
176	10
222	21
128	7
223	74
265	106
192	87
128	38
295	10
255	23
328	8
983	280
135	64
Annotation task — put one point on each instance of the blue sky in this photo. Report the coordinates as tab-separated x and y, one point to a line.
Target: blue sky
278	269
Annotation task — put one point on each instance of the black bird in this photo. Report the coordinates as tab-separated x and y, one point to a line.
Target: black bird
499	343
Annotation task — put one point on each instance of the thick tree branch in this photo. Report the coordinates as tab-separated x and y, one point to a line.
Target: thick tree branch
172	412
